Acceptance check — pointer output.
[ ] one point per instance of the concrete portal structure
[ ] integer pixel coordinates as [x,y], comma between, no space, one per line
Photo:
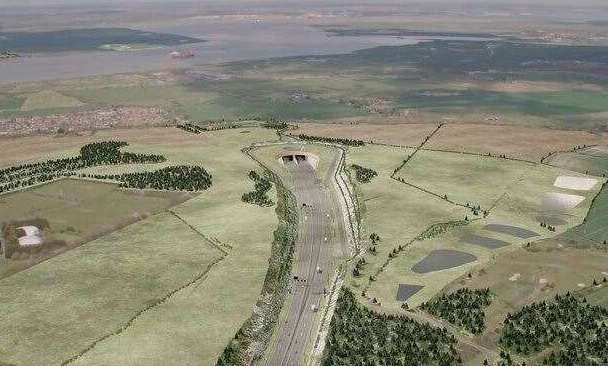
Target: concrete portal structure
[298,157]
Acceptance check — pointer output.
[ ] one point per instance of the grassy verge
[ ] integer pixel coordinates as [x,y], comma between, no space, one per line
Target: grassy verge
[251,340]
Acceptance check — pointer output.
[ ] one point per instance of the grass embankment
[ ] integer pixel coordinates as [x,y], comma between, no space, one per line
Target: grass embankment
[253,337]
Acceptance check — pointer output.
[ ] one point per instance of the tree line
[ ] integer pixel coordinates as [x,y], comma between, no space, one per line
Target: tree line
[464,308]
[97,153]
[575,330]
[360,336]
[332,140]
[259,195]
[173,178]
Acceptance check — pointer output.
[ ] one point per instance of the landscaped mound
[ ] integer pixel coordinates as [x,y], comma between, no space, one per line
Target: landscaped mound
[464,308]
[577,330]
[97,153]
[259,196]
[364,175]
[359,336]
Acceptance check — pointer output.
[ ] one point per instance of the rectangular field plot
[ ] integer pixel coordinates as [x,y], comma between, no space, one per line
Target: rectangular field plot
[60,307]
[477,180]
[78,211]
[591,161]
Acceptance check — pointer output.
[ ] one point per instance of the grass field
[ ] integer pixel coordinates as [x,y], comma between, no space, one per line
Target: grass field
[396,212]
[512,191]
[464,178]
[61,306]
[79,211]
[593,232]
[197,322]
[49,99]
[592,160]
[524,276]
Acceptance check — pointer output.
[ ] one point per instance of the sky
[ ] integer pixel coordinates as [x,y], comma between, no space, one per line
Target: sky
[300,2]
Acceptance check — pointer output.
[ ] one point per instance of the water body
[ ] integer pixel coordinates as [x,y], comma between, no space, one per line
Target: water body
[227,41]
[516,231]
[405,291]
[484,241]
[439,260]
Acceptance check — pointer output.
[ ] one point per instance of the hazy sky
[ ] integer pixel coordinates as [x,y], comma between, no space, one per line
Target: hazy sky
[232,3]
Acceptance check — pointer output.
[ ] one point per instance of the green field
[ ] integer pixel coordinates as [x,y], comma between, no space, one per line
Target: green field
[593,231]
[396,212]
[58,308]
[592,161]
[207,313]
[78,211]
[10,103]
[511,191]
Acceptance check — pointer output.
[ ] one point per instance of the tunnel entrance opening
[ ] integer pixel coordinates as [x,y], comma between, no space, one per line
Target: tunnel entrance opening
[295,158]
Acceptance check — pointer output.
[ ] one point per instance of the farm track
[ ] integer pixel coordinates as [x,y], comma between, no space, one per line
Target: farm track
[320,232]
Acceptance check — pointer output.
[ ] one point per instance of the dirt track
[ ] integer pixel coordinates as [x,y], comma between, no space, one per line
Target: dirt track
[319,245]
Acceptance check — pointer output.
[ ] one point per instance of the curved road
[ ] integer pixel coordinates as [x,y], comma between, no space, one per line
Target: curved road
[319,246]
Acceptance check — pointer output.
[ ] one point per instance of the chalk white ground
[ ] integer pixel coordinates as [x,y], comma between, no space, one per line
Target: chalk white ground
[31,238]
[575,183]
[561,201]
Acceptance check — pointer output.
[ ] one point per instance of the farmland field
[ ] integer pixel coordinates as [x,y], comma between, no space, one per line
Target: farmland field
[78,211]
[53,318]
[593,160]
[511,191]
[244,231]
[472,143]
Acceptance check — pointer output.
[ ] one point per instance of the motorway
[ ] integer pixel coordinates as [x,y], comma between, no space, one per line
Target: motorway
[320,244]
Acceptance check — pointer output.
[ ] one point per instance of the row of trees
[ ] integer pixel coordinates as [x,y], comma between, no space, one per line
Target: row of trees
[548,227]
[332,140]
[98,153]
[173,178]
[275,124]
[259,195]
[576,329]
[192,128]
[363,175]
[464,308]
[359,336]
